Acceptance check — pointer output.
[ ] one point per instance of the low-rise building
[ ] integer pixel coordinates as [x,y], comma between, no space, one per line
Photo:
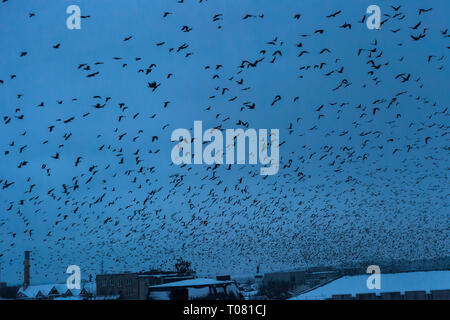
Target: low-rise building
[306,278]
[55,291]
[134,286]
[7,292]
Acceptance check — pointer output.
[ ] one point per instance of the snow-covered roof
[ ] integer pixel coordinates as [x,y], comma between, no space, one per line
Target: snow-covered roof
[197,282]
[390,282]
[42,289]
[61,288]
[90,287]
[86,287]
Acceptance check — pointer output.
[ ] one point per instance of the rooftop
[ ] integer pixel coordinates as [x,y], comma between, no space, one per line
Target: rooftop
[59,288]
[390,282]
[197,282]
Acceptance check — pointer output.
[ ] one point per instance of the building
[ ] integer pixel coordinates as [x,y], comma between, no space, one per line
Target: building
[88,291]
[7,292]
[305,279]
[134,286]
[423,285]
[44,291]
[198,288]
[55,292]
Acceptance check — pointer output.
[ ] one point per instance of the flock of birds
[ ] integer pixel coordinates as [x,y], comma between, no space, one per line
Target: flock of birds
[360,178]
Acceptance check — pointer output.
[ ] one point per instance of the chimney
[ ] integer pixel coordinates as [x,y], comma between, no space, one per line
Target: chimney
[26,270]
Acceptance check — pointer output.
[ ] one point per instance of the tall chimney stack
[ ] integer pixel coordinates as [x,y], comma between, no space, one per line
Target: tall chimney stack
[26,270]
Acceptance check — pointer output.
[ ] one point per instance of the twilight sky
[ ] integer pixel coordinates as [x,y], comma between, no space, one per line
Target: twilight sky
[364,146]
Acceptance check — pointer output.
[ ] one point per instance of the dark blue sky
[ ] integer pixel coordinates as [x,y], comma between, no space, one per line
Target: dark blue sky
[353,184]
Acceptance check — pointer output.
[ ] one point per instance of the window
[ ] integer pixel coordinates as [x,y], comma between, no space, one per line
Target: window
[129,291]
[104,283]
[111,283]
[129,282]
[119,283]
